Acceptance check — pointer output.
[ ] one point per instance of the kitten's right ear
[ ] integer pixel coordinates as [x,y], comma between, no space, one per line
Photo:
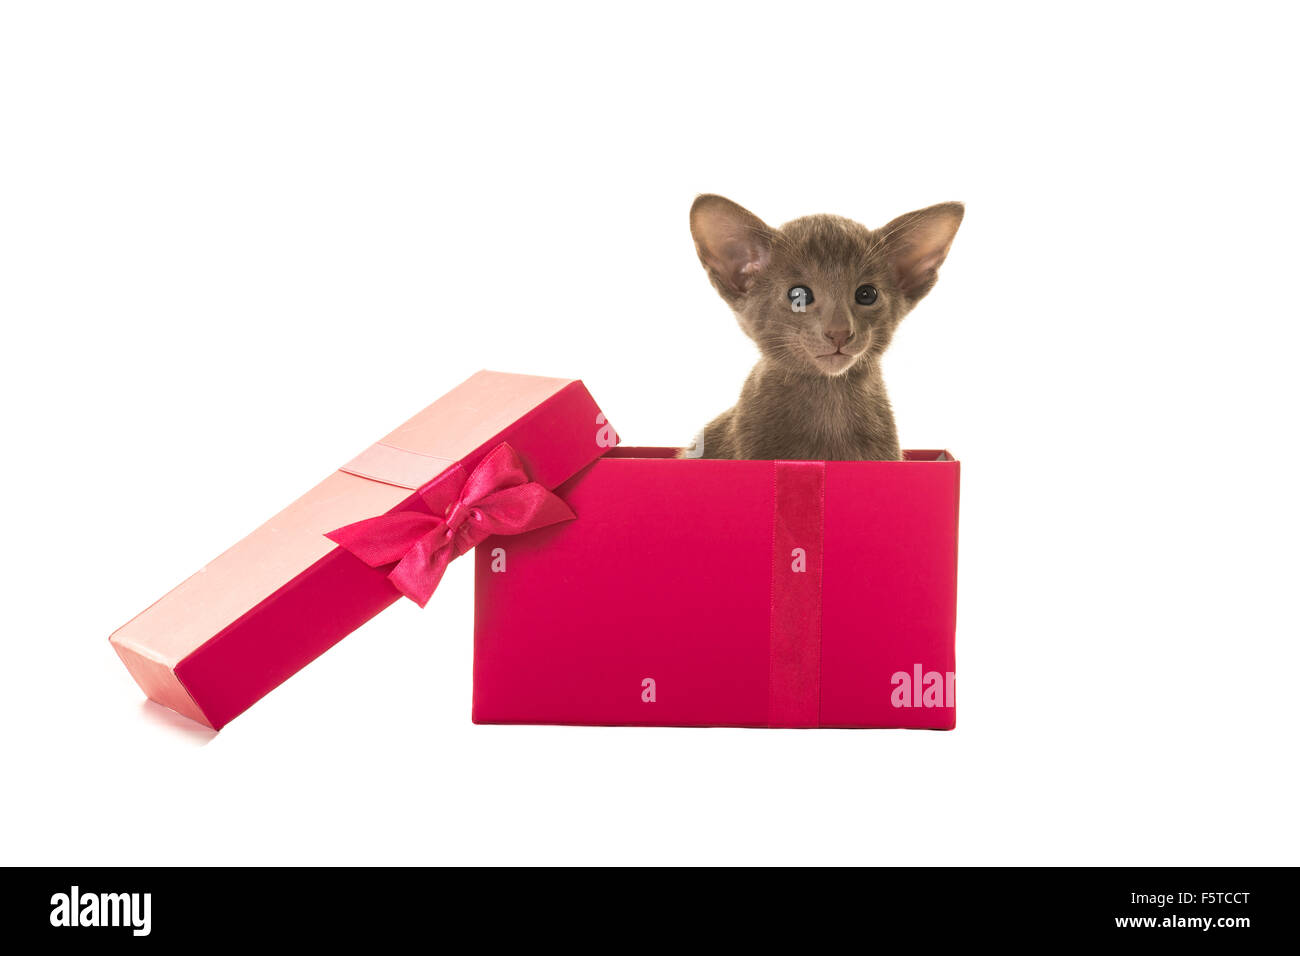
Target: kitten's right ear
[733,244]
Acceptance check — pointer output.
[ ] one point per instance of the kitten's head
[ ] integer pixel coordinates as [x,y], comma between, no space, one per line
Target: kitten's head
[821,294]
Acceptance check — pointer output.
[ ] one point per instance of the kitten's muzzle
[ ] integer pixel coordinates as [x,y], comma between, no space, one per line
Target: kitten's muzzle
[839,337]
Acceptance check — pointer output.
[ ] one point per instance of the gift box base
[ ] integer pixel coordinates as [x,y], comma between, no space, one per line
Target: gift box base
[700,593]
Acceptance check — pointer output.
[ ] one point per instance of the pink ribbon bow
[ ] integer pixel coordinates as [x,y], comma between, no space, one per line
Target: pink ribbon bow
[497,498]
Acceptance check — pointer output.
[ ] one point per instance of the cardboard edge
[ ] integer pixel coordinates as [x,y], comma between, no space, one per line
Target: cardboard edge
[159,681]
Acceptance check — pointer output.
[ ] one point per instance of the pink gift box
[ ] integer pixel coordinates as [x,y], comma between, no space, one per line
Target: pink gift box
[287,593]
[727,593]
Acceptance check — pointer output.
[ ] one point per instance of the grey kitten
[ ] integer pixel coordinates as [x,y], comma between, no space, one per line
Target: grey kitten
[821,296]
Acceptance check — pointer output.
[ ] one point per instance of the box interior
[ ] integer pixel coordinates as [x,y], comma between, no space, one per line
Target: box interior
[631,451]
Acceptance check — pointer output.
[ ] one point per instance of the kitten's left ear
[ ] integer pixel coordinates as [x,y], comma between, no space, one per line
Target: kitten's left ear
[917,243]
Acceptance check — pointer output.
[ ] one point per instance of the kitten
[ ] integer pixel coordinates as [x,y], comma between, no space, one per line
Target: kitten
[821,296]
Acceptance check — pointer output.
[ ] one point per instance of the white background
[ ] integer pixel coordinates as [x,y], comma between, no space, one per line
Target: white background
[240,241]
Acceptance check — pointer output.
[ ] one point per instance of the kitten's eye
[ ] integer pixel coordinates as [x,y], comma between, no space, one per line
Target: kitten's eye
[800,296]
[866,295]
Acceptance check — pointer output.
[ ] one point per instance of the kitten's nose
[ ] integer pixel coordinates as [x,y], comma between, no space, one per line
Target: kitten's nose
[839,336]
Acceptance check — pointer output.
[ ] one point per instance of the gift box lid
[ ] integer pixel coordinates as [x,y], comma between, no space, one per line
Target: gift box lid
[285,593]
